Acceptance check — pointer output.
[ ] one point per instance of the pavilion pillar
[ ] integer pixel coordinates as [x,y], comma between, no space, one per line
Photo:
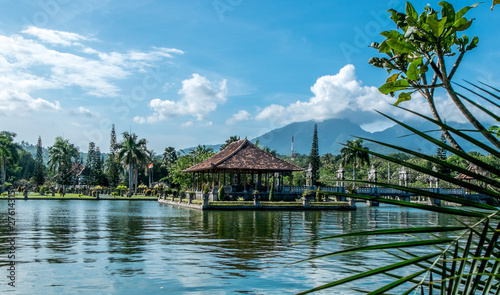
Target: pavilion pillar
[281,182]
[259,178]
[267,181]
[202,177]
[213,181]
[291,181]
[219,179]
[244,182]
[194,180]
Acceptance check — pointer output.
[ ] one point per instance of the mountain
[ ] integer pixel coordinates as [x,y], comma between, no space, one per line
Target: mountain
[333,133]
[330,133]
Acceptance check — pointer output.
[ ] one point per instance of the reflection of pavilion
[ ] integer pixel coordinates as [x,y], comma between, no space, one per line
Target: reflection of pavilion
[241,168]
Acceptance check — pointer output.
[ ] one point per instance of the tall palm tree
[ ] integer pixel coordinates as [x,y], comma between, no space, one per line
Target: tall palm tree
[201,153]
[354,153]
[62,156]
[229,141]
[169,156]
[132,152]
[8,153]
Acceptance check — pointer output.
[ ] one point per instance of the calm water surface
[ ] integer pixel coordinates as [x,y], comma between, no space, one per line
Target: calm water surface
[124,247]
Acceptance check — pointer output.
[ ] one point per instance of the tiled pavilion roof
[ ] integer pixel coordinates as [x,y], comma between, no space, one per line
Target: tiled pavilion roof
[471,168]
[243,155]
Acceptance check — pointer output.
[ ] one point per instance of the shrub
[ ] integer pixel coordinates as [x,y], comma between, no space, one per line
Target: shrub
[115,194]
[318,195]
[220,195]
[271,193]
[307,193]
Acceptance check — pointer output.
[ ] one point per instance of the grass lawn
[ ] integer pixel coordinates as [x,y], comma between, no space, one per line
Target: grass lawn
[77,196]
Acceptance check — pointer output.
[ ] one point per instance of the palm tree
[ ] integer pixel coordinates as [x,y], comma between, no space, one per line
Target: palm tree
[354,153]
[169,156]
[229,141]
[132,152]
[8,153]
[201,153]
[62,156]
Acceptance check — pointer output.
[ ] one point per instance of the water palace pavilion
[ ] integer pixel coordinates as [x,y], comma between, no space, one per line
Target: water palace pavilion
[242,168]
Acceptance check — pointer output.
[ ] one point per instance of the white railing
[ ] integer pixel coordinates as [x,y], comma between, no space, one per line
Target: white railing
[384,191]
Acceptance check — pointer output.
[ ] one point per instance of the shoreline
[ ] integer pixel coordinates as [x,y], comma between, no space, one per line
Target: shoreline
[85,198]
[261,207]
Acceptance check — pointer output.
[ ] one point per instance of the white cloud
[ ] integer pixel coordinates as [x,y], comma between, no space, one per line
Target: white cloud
[55,37]
[30,64]
[198,98]
[242,115]
[343,96]
[83,112]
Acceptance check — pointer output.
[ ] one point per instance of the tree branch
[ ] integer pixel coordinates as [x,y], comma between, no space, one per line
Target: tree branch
[456,64]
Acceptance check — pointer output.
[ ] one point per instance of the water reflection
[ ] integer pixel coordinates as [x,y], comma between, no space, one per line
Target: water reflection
[122,247]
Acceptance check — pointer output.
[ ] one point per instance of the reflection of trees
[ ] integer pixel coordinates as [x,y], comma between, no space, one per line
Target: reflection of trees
[126,240]
[62,229]
[126,228]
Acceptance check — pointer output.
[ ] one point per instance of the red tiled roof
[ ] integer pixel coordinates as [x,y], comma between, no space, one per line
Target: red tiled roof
[243,155]
[471,168]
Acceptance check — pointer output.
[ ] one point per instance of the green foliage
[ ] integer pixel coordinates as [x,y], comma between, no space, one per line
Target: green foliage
[459,259]
[205,188]
[182,179]
[39,173]
[62,157]
[354,153]
[318,195]
[43,189]
[314,157]
[220,195]
[417,53]
[307,194]
[114,194]
[271,192]
[132,153]
[229,141]
[112,163]
[8,154]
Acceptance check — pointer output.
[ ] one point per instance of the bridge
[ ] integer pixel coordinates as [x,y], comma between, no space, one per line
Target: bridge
[384,192]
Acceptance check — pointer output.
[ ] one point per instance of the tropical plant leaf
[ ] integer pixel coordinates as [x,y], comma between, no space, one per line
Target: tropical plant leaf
[379,247]
[397,283]
[392,231]
[373,272]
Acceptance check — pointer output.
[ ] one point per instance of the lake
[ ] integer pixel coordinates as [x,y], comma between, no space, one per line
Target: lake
[131,247]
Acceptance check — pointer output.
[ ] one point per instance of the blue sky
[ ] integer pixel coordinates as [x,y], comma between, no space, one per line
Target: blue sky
[183,73]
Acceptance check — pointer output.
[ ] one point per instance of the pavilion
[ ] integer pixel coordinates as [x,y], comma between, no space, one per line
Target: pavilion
[241,168]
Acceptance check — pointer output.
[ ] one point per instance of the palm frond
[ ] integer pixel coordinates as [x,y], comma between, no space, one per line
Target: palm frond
[458,259]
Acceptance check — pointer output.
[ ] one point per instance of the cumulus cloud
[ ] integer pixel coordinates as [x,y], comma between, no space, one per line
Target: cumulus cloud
[242,115]
[198,97]
[29,63]
[343,96]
